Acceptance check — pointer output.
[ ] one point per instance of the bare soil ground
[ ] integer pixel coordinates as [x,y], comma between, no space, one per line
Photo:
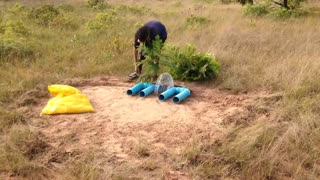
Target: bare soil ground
[142,137]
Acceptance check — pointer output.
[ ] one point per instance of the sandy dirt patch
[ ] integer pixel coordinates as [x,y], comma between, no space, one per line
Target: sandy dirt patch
[126,127]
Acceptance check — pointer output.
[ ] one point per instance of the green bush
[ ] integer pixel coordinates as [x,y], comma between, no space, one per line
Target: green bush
[16,27]
[184,63]
[285,13]
[98,4]
[205,1]
[66,7]
[227,1]
[197,21]
[64,22]
[44,14]
[18,9]
[101,6]
[92,3]
[12,45]
[14,41]
[257,9]
[294,4]
[267,7]
[102,21]
[137,10]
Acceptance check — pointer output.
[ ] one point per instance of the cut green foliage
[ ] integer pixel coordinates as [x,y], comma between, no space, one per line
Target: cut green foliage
[152,62]
[185,63]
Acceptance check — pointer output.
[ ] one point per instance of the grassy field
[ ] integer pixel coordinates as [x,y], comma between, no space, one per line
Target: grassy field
[257,54]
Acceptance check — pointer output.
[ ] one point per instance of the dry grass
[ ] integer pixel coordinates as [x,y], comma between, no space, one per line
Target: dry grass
[83,168]
[262,53]
[18,149]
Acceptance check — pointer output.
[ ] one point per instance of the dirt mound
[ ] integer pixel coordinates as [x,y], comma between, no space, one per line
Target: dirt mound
[124,127]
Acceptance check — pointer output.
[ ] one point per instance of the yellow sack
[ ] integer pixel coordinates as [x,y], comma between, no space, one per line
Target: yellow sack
[67,100]
[64,90]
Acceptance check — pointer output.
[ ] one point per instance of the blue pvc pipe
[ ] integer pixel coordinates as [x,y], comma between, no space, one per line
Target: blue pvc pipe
[183,94]
[168,93]
[180,92]
[145,92]
[136,88]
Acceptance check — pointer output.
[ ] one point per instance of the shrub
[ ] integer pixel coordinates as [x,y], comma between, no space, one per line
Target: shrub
[196,21]
[66,7]
[138,10]
[227,1]
[44,14]
[285,13]
[294,4]
[93,3]
[18,9]
[184,63]
[13,40]
[12,45]
[1,16]
[257,9]
[15,27]
[267,7]
[64,22]
[98,4]
[101,21]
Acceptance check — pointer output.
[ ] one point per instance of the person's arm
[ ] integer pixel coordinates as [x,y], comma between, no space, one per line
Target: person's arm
[135,58]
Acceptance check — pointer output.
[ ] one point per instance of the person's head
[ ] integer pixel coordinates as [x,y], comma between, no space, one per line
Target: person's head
[143,34]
